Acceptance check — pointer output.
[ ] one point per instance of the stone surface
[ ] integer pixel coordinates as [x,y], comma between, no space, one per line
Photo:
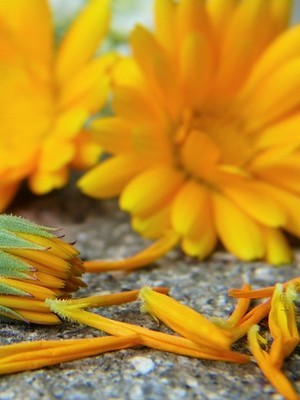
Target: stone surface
[102,230]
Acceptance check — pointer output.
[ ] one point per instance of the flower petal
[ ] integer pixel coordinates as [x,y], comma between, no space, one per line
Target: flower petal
[281,51]
[98,182]
[277,96]
[138,196]
[253,198]
[240,234]
[248,33]
[30,22]
[164,12]
[82,39]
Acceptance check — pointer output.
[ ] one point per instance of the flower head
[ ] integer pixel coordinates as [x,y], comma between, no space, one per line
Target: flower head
[34,265]
[47,94]
[205,140]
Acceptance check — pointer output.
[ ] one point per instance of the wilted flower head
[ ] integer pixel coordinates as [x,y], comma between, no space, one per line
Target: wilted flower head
[48,93]
[205,141]
[35,265]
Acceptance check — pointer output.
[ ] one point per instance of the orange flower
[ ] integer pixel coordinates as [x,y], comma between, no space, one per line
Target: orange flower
[204,140]
[47,94]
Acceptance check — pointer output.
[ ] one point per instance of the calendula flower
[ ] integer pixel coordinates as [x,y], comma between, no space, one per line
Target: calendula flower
[35,265]
[205,137]
[48,93]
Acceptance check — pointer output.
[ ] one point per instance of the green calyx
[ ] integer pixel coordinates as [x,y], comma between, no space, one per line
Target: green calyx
[14,267]
[16,224]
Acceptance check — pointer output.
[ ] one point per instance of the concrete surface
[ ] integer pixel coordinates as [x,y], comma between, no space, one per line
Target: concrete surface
[101,230]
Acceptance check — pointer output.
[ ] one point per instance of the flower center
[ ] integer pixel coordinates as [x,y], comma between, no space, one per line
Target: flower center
[210,137]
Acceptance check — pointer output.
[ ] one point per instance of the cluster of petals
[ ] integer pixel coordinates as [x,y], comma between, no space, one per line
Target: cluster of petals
[195,335]
[204,140]
[47,93]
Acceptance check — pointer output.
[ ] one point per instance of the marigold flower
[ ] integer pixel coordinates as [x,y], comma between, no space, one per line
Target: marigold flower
[205,140]
[34,265]
[47,94]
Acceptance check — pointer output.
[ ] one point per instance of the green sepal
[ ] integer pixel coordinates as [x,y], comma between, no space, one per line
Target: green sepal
[11,290]
[19,224]
[8,240]
[9,312]
[14,267]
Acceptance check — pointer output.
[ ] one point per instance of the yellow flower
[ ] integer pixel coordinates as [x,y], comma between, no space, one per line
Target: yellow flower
[47,94]
[34,265]
[205,138]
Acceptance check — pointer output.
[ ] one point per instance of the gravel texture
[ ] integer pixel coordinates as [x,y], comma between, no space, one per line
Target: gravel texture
[102,230]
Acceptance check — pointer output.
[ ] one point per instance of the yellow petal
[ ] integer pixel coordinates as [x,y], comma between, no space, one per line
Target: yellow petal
[277,95]
[113,134]
[196,69]
[248,33]
[38,292]
[240,309]
[144,257]
[98,182]
[278,250]
[154,226]
[164,12]
[183,320]
[151,190]
[282,324]
[82,39]
[104,300]
[273,374]
[280,133]
[30,21]
[51,353]
[281,12]
[285,174]
[42,182]
[281,51]
[253,198]
[220,13]
[191,16]
[189,206]
[290,203]
[126,72]
[137,106]
[89,86]
[252,317]
[157,67]
[87,151]
[239,233]
[210,154]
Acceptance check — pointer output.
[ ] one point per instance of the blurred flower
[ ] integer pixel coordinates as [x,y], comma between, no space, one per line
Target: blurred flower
[205,141]
[34,265]
[47,94]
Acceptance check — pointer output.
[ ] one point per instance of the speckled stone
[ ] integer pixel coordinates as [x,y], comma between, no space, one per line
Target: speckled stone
[102,230]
